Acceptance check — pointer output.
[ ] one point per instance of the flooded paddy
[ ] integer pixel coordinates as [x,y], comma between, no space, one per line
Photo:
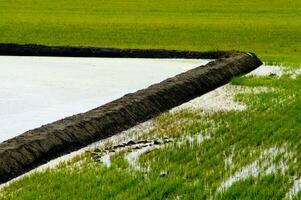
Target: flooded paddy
[39,90]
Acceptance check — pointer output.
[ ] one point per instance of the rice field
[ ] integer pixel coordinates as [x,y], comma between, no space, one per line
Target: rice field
[241,141]
[226,153]
[271,29]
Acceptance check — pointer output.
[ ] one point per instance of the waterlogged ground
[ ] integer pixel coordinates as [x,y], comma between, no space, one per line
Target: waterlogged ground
[246,146]
[39,90]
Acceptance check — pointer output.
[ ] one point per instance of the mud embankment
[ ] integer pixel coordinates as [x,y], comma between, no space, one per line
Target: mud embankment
[35,147]
[40,50]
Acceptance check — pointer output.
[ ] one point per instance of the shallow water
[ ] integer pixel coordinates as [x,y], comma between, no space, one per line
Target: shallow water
[39,90]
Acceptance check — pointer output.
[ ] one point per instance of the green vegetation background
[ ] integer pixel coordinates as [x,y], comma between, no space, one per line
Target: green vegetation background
[270,28]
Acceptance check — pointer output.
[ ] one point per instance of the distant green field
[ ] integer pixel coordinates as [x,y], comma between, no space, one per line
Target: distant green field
[272,29]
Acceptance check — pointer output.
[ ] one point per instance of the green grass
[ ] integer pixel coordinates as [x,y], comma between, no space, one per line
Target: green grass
[272,29]
[194,171]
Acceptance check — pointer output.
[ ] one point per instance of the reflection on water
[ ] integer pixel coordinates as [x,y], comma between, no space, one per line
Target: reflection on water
[36,91]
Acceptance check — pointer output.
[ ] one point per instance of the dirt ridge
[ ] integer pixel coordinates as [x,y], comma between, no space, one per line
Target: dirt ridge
[35,147]
[67,51]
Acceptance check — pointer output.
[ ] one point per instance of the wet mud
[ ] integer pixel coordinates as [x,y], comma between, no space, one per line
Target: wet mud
[35,147]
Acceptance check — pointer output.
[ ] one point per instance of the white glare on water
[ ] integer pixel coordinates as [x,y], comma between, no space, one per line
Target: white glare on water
[39,90]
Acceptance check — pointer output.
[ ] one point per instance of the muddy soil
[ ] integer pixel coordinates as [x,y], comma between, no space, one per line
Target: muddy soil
[35,147]
[41,50]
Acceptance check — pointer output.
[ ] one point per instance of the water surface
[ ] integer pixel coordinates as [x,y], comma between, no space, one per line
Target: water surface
[39,90]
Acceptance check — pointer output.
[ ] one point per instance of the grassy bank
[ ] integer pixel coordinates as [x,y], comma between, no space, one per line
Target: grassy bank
[270,28]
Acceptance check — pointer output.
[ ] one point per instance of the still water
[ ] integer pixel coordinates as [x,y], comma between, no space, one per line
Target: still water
[39,90]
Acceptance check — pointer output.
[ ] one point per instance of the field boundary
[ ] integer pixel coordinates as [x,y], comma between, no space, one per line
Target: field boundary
[67,51]
[35,147]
